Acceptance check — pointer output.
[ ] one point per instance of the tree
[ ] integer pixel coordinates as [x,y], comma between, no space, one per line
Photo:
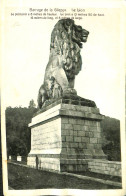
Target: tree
[17,130]
[16,146]
[32,104]
[111,138]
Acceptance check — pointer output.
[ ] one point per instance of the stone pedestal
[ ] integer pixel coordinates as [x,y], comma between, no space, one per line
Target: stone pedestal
[64,137]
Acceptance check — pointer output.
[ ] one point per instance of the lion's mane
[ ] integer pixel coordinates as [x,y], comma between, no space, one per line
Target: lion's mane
[62,44]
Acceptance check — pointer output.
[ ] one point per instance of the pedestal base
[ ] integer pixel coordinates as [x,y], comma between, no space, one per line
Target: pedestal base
[64,137]
[58,164]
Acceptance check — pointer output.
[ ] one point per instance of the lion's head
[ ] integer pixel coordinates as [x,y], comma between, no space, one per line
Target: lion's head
[66,28]
[66,41]
[79,35]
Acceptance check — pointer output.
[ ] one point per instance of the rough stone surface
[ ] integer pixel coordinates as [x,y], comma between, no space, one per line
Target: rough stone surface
[72,135]
[46,137]
[105,167]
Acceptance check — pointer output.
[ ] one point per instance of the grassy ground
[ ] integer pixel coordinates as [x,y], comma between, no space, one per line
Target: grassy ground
[20,177]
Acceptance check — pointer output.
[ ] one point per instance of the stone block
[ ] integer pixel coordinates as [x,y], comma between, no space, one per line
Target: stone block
[80,122]
[86,122]
[71,151]
[69,138]
[63,126]
[93,129]
[80,133]
[71,113]
[85,139]
[94,110]
[77,139]
[63,138]
[70,132]
[87,134]
[93,123]
[99,129]
[98,124]
[82,145]
[90,146]
[111,165]
[112,169]
[86,128]
[64,150]
[75,133]
[106,172]
[96,166]
[65,120]
[68,126]
[97,134]
[71,156]
[77,127]
[64,132]
[90,164]
[91,134]
[117,165]
[72,121]
[73,145]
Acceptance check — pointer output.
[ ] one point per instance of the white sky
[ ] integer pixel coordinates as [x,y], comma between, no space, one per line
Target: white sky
[26,55]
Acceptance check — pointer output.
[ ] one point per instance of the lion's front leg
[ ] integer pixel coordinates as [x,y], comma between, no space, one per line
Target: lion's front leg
[71,83]
[61,78]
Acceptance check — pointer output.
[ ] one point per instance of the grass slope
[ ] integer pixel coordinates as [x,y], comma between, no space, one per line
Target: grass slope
[20,177]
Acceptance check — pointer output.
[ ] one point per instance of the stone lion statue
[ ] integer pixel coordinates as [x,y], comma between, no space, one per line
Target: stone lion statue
[64,61]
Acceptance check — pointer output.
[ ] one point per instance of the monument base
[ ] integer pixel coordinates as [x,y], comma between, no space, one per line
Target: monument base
[64,137]
[58,164]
